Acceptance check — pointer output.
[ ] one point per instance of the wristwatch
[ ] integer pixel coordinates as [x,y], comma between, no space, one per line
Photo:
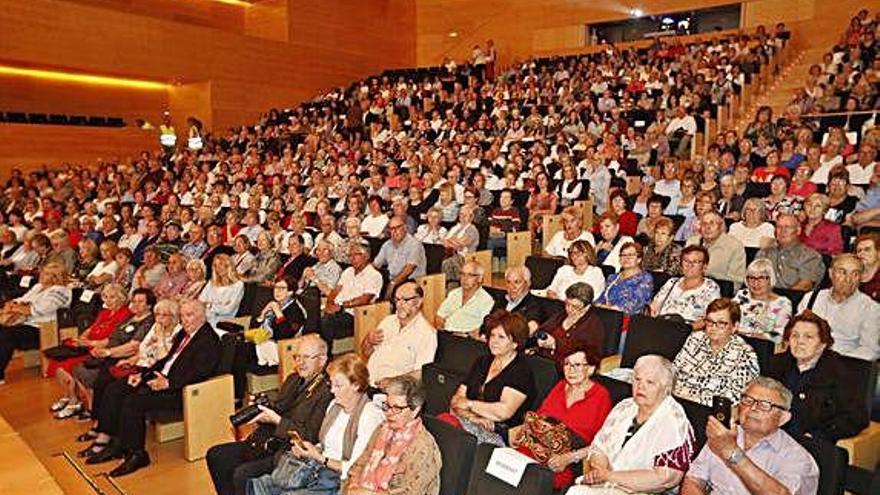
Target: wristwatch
[736,456]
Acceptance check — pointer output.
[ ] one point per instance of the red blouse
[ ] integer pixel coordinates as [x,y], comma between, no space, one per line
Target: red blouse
[104,325]
[825,238]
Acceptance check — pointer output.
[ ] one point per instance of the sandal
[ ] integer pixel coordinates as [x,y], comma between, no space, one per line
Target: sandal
[59,404]
[84,415]
[69,411]
[87,436]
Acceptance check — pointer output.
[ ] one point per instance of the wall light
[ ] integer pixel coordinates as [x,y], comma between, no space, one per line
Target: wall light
[453,34]
[75,77]
[240,3]
[636,13]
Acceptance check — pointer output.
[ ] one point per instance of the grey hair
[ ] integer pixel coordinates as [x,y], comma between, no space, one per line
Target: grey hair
[774,385]
[843,258]
[664,366]
[477,267]
[521,270]
[315,340]
[193,303]
[198,264]
[361,246]
[581,291]
[408,387]
[763,266]
[759,204]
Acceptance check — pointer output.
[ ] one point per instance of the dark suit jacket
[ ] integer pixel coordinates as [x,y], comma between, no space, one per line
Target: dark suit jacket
[303,410]
[531,308]
[287,327]
[197,361]
[830,399]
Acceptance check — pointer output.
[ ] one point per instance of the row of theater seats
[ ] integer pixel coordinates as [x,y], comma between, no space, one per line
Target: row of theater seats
[61,119]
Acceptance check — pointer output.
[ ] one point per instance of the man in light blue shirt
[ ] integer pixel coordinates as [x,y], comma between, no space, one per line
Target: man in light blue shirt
[756,456]
[403,253]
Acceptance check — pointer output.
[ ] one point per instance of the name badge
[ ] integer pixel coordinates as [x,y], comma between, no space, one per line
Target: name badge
[508,465]
[87,296]
[129,329]
[25,281]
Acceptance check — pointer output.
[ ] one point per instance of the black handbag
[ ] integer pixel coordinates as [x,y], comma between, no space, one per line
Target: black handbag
[62,352]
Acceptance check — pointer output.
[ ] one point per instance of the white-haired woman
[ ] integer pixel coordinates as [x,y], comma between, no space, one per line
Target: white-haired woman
[646,443]
[764,313]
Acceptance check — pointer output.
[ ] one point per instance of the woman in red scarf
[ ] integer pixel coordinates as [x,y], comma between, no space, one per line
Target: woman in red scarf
[115,312]
[402,456]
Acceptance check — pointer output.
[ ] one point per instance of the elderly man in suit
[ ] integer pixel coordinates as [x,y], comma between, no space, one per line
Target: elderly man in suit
[301,405]
[193,358]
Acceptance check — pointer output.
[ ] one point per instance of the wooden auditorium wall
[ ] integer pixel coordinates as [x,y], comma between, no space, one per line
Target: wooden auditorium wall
[257,61]
[524,28]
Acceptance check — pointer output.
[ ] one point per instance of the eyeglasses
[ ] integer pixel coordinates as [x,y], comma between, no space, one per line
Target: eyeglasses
[715,323]
[757,278]
[303,357]
[758,404]
[470,274]
[400,300]
[393,409]
[691,262]
[576,366]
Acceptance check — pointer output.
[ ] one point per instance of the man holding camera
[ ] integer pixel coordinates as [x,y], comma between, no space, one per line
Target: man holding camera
[302,402]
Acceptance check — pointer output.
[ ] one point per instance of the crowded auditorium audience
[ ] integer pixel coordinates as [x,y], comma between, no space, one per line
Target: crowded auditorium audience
[353,198]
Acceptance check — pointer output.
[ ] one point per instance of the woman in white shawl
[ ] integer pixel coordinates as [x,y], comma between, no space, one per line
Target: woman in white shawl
[646,443]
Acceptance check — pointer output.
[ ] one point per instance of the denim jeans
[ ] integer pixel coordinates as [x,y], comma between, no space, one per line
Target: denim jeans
[294,476]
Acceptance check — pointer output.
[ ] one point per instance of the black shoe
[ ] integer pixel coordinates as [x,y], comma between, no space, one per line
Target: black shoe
[111,451]
[133,462]
[92,450]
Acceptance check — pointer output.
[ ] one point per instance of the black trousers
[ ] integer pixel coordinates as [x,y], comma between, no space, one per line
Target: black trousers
[230,470]
[124,411]
[101,382]
[24,337]
[243,361]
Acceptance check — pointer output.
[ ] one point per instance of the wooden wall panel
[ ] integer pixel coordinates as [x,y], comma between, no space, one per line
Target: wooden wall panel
[33,95]
[207,13]
[331,44]
[268,20]
[28,146]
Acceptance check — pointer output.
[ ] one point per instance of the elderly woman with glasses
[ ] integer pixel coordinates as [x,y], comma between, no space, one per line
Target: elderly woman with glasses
[715,361]
[764,313]
[646,443]
[753,231]
[576,327]
[581,267]
[687,296]
[348,426]
[576,403]
[402,456]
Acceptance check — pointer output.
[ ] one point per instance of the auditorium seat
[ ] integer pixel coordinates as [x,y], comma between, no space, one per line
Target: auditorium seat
[457,448]
[832,462]
[543,268]
[546,377]
[612,321]
[764,349]
[434,256]
[537,479]
[647,335]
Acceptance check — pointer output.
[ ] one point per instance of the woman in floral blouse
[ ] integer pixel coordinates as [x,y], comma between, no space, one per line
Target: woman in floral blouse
[764,313]
[689,295]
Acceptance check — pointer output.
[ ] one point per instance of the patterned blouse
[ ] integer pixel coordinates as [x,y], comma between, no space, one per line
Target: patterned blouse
[704,373]
[690,304]
[631,294]
[789,204]
[765,318]
[668,260]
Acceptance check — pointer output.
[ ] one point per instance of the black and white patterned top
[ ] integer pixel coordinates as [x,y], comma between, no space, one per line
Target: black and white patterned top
[704,373]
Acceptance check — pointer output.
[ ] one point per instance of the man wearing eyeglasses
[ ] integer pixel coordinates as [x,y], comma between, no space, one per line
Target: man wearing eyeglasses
[465,307]
[403,253]
[756,456]
[402,342]
[302,401]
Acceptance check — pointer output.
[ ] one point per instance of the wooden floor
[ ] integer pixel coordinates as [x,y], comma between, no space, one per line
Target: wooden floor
[24,403]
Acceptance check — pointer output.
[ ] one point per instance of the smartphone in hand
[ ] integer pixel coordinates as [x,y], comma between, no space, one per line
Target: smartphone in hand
[721,407]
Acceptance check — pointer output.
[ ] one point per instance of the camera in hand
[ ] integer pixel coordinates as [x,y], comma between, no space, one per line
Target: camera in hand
[249,412]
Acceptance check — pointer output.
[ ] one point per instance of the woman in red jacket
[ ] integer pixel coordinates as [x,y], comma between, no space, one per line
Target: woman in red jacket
[115,312]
